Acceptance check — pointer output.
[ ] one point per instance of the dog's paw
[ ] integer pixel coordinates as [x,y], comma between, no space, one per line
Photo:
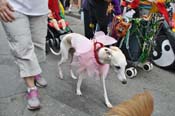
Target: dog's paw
[109,105]
[59,77]
[73,77]
[79,92]
[60,74]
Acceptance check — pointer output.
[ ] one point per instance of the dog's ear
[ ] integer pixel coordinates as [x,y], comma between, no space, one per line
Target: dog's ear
[109,55]
[114,48]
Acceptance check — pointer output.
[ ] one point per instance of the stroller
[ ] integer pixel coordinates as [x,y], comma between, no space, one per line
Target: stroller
[138,41]
[56,28]
[53,37]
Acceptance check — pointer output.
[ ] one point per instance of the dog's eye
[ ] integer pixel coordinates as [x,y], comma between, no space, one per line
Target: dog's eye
[117,67]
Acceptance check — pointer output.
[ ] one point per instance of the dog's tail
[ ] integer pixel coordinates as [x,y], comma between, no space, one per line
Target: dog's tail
[55,53]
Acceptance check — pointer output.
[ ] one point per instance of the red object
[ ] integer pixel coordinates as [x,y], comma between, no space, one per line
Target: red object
[132,5]
[162,9]
[54,7]
[96,49]
[60,25]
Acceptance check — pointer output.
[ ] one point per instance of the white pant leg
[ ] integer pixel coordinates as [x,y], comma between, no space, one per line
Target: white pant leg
[21,45]
[39,30]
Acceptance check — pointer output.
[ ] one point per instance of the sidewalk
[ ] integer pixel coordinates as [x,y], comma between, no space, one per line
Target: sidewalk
[59,98]
[12,88]
[74,13]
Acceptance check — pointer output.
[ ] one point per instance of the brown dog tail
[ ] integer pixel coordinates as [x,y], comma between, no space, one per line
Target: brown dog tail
[140,105]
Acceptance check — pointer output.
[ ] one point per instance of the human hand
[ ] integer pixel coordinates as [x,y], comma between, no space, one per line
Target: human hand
[110,8]
[6,11]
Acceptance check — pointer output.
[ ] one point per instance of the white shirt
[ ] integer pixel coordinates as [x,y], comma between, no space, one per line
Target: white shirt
[30,7]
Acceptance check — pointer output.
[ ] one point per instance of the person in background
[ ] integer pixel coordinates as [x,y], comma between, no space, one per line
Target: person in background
[95,12]
[62,2]
[114,7]
[70,6]
[71,3]
[80,6]
[27,43]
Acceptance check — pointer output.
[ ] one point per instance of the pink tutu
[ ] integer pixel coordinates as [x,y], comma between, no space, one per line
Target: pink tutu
[84,58]
[86,63]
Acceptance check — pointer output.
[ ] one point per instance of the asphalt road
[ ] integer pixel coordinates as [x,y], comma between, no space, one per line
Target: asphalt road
[59,98]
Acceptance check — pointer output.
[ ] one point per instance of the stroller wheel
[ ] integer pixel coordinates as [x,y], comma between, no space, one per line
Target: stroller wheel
[57,43]
[47,47]
[148,66]
[53,46]
[131,72]
[51,43]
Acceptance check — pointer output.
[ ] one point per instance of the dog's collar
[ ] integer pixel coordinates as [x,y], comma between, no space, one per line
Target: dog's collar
[97,47]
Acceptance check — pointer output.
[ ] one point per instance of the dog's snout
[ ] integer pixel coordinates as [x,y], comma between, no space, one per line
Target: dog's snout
[124,82]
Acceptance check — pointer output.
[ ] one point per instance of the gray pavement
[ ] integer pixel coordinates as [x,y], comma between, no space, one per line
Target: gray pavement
[59,98]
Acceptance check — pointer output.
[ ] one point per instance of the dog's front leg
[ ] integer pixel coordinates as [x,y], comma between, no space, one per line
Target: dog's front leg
[60,72]
[80,78]
[109,105]
[72,74]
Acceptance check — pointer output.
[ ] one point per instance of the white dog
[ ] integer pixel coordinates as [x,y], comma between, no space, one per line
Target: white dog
[92,58]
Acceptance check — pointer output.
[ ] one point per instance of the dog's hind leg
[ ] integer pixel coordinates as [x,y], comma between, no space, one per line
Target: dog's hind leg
[64,58]
[109,105]
[80,79]
[72,51]
[64,55]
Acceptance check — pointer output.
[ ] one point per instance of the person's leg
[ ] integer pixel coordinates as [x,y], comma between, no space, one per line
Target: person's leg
[29,81]
[62,2]
[22,49]
[70,6]
[67,3]
[103,24]
[87,30]
[38,27]
[102,18]
[79,4]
